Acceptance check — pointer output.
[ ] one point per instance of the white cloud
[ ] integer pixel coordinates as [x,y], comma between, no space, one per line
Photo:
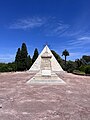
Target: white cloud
[56,28]
[28,23]
[84,38]
[73,33]
[81,41]
[50,26]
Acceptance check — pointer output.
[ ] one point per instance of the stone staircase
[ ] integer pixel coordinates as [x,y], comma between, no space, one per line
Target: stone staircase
[39,79]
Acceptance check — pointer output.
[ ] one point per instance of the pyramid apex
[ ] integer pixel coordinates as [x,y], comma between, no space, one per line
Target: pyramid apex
[46,48]
[46,45]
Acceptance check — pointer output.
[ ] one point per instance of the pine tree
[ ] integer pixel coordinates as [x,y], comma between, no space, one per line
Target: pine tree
[35,55]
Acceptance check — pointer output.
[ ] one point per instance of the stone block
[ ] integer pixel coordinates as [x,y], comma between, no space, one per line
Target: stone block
[46,72]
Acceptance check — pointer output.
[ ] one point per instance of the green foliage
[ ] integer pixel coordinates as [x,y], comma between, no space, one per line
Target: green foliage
[65,53]
[7,67]
[58,58]
[83,62]
[35,55]
[11,66]
[24,52]
[24,56]
[18,59]
[18,55]
[87,69]
[29,62]
[86,58]
[77,72]
[22,60]
[70,66]
[82,68]
[78,63]
[3,67]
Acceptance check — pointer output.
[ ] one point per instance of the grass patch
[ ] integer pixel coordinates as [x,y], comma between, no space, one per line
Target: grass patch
[77,72]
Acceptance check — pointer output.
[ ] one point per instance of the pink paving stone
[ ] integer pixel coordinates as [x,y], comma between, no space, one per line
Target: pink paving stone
[20,101]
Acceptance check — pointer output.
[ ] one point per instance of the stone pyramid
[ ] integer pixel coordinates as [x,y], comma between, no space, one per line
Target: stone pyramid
[54,64]
[46,65]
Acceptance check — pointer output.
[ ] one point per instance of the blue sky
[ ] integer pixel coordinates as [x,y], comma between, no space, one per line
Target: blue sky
[63,24]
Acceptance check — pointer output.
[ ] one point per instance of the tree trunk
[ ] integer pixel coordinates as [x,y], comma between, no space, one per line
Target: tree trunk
[65,62]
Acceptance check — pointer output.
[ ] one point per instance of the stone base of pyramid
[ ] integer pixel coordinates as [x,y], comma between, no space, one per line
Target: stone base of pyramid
[47,79]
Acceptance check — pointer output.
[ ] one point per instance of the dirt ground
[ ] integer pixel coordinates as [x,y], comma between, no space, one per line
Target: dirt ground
[20,101]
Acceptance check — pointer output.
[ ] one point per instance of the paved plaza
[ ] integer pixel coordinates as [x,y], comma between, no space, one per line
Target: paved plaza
[22,101]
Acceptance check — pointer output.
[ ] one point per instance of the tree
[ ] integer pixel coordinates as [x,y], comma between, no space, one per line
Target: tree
[24,54]
[18,60]
[29,62]
[18,55]
[78,62]
[21,58]
[71,66]
[86,58]
[35,55]
[7,67]
[65,53]
[58,58]
[87,69]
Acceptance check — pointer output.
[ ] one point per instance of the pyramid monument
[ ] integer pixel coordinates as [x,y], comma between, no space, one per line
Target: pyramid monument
[46,67]
[37,64]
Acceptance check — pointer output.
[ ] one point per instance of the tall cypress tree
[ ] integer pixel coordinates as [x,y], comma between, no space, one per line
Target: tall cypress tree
[18,60]
[22,60]
[35,55]
[18,55]
[24,54]
[29,62]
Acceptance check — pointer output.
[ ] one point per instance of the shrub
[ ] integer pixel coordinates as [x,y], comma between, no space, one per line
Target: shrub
[4,67]
[82,68]
[70,66]
[87,70]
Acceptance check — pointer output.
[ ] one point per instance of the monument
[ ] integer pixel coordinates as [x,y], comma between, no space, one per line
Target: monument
[46,67]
